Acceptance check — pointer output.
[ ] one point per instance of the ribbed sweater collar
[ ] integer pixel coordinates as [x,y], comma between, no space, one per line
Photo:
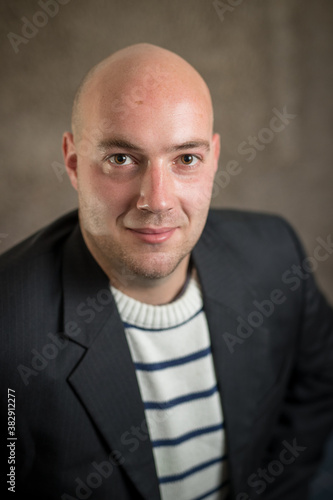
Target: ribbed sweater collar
[160,316]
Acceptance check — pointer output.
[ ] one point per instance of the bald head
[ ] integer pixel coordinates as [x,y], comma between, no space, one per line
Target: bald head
[143,156]
[138,75]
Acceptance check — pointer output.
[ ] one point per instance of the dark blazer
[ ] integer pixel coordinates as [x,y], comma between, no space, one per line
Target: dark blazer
[80,423]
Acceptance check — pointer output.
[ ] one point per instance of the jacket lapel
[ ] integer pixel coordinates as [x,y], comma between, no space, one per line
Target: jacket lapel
[242,369]
[105,379]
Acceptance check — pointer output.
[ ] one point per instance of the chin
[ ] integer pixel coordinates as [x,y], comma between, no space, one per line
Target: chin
[153,267]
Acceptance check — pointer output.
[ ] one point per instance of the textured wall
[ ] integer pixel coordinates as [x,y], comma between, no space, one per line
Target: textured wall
[257,57]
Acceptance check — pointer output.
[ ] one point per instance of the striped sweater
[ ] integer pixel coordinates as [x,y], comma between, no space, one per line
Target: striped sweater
[170,348]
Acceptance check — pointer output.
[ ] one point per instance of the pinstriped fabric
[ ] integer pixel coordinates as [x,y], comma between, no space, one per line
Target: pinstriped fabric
[170,348]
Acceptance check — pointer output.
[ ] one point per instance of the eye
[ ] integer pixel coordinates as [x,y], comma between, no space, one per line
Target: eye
[120,159]
[189,159]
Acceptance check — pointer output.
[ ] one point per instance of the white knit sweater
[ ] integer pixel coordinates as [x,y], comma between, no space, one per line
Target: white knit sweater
[170,348]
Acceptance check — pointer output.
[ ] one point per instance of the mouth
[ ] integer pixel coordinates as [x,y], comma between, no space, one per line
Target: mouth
[153,235]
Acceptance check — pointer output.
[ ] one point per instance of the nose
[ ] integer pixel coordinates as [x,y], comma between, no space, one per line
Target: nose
[156,188]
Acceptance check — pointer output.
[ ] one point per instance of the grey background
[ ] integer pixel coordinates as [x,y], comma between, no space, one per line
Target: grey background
[256,56]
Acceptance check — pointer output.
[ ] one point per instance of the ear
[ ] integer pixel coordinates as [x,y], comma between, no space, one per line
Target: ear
[216,151]
[70,157]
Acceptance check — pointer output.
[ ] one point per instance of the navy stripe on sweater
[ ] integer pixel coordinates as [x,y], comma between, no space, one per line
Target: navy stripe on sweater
[129,325]
[187,436]
[210,492]
[149,367]
[189,472]
[163,405]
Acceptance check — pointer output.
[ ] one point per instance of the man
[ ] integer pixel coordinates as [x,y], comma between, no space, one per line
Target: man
[153,348]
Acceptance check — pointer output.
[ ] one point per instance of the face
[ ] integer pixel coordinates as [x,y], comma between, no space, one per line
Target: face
[144,174]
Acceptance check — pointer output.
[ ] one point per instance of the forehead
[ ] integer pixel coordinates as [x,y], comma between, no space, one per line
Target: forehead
[148,123]
[147,108]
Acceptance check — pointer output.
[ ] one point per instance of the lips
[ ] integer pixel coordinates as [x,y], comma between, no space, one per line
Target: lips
[153,235]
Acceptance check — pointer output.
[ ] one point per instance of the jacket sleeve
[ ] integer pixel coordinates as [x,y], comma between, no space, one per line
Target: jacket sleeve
[306,417]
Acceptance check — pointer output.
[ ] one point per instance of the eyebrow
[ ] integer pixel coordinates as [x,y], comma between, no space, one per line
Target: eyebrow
[129,146]
[117,143]
[189,145]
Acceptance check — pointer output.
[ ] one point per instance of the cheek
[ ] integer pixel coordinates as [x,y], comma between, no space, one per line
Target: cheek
[97,190]
[196,196]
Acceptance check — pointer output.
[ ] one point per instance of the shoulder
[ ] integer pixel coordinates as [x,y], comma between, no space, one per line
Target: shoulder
[41,245]
[262,243]
[30,268]
[245,220]
[31,293]
[238,227]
